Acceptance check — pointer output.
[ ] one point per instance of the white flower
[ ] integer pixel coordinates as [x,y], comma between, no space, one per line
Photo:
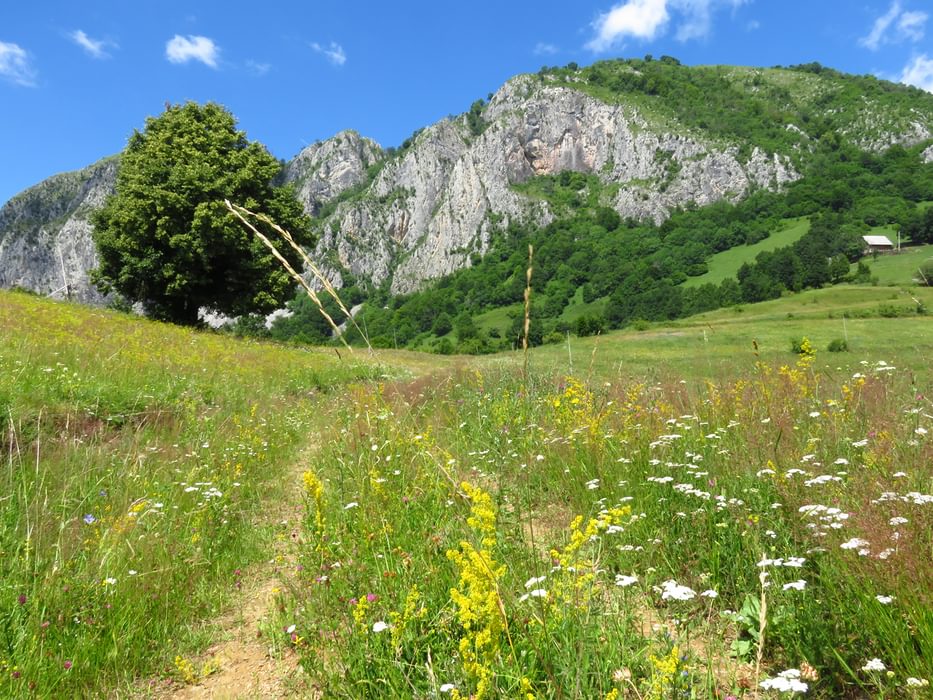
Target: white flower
[874,665]
[290,629]
[814,414]
[624,581]
[897,520]
[884,599]
[917,682]
[673,590]
[786,682]
[797,585]
[352,504]
[854,543]
[380,626]
[447,687]
[534,581]
[709,593]
[132,572]
[921,431]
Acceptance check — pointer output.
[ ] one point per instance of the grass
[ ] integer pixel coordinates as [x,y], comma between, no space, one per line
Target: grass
[491,538]
[727,263]
[900,268]
[136,456]
[469,532]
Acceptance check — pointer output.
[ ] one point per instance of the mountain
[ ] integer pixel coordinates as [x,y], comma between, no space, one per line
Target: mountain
[657,134]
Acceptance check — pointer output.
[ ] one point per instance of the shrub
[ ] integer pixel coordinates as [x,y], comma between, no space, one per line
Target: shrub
[838,345]
[801,346]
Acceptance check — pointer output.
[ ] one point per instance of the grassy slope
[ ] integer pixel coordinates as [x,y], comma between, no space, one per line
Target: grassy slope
[900,268]
[116,432]
[727,263]
[719,343]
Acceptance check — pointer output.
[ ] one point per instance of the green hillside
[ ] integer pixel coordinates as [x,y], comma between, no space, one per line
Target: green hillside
[727,263]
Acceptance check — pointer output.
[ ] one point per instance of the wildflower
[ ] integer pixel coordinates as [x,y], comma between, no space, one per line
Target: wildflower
[447,687]
[854,543]
[289,629]
[917,682]
[895,521]
[874,665]
[21,599]
[534,581]
[884,599]
[352,504]
[380,626]
[797,585]
[67,665]
[536,593]
[671,590]
[710,593]
[89,519]
[785,682]
[625,581]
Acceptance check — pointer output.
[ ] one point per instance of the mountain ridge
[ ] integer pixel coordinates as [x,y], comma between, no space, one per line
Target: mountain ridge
[650,130]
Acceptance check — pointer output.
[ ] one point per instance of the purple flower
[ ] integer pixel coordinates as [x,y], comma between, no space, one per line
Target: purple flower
[67,665]
[22,599]
[371,597]
[89,519]
[16,674]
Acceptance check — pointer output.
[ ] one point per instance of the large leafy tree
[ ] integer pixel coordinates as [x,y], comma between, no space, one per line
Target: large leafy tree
[165,238]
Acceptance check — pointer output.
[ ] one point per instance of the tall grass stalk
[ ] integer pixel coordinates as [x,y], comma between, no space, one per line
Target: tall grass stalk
[318,275]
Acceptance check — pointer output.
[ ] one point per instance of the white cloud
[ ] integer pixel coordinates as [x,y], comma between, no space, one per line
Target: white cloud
[15,65]
[181,49]
[912,25]
[753,25]
[94,47]
[642,19]
[647,19]
[257,68]
[544,49]
[906,25]
[919,72]
[334,53]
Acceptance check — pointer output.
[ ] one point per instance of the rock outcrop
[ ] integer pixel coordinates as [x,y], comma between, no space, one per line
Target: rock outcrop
[45,233]
[433,205]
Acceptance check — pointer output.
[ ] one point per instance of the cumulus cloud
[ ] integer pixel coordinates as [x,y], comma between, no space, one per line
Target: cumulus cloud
[333,53]
[544,49]
[894,26]
[919,72]
[647,19]
[181,49]
[94,47]
[15,65]
[641,19]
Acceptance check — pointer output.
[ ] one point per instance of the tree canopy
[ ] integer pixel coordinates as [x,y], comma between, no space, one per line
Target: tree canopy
[165,238]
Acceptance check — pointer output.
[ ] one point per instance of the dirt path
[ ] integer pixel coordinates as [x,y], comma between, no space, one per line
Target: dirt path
[246,661]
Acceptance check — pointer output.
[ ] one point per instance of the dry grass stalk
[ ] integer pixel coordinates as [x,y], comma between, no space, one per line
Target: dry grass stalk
[291,271]
[527,314]
[318,275]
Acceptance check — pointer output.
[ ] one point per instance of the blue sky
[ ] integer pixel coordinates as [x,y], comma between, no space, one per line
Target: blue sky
[77,77]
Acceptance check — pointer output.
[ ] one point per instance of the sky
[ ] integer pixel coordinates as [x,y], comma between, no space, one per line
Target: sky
[77,78]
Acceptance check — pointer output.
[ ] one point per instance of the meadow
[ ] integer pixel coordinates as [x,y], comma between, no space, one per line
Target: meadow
[689,510]
[136,457]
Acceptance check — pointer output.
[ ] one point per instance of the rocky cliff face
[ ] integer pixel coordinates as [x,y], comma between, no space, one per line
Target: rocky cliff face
[433,205]
[45,233]
[324,170]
